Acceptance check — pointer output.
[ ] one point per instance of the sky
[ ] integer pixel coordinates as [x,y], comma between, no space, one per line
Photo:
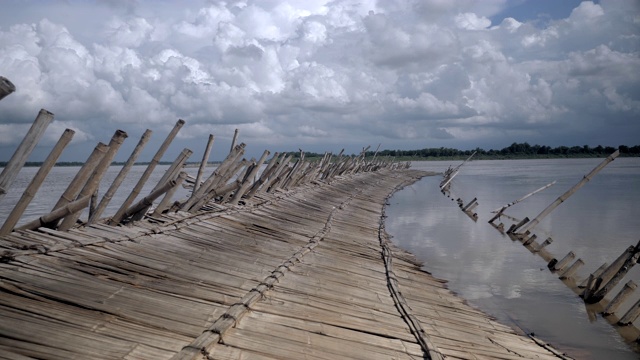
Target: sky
[322,75]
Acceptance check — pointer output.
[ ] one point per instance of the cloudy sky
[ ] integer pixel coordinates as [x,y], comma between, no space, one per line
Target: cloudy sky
[323,75]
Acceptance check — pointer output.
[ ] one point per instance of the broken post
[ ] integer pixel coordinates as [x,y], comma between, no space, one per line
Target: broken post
[571,191]
[555,265]
[145,176]
[106,198]
[20,156]
[203,164]
[464,208]
[6,87]
[544,243]
[595,274]
[514,228]
[35,183]
[572,269]
[233,142]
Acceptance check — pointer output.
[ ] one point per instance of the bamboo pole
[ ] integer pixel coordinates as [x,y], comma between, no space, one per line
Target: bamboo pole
[571,191]
[233,142]
[203,164]
[106,198]
[464,208]
[147,173]
[627,290]
[94,181]
[142,205]
[631,315]
[6,87]
[555,265]
[595,274]
[20,156]
[245,185]
[81,178]
[572,269]
[35,183]
[175,167]
[276,175]
[164,203]
[503,208]
[56,215]
[612,276]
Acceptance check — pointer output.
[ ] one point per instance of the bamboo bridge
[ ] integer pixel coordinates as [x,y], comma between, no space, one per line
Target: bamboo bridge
[283,261]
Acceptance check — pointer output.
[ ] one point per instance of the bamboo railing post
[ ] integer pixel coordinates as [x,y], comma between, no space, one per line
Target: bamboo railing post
[145,176]
[106,198]
[94,181]
[595,274]
[571,191]
[93,203]
[203,164]
[555,265]
[20,156]
[164,203]
[544,243]
[627,290]
[81,178]
[276,175]
[201,196]
[264,176]
[57,214]
[137,211]
[572,269]
[631,315]
[175,168]
[514,228]
[6,87]
[602,288]
[233,142]
[464,208]
[245,185]
[35,183]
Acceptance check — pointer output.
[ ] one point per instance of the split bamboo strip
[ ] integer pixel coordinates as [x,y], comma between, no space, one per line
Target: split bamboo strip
[147,173]
[106,198]
[20,156]
[35,183]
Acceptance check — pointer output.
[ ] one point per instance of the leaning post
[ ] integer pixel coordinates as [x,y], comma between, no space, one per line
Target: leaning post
[571,191]
[203,164]
[35,183]
[6,87]
[20,156]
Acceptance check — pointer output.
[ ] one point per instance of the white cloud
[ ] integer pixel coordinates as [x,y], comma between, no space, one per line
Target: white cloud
[327,71]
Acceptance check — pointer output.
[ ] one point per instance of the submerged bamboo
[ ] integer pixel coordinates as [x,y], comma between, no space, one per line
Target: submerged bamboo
[571,191]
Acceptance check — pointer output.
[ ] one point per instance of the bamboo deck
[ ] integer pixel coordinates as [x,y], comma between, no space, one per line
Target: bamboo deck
[306,273]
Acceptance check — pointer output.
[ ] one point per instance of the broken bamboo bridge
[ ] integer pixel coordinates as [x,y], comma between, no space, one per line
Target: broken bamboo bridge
[284,261]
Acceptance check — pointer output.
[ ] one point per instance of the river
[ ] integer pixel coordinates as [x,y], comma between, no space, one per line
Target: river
[503,278]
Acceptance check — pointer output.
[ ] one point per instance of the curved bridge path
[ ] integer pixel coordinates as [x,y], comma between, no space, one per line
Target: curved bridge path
[301,274]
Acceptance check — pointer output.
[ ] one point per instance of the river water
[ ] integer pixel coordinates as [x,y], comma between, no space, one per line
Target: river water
[502,277]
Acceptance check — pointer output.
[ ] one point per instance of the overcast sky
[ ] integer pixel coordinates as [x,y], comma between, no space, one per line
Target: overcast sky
[323,75]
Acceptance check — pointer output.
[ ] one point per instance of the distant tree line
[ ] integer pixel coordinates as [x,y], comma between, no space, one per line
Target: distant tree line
[516,150]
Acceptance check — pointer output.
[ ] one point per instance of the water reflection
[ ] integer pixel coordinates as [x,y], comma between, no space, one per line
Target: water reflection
[499,275]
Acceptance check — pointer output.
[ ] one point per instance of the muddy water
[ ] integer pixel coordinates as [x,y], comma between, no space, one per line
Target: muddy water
[503,278]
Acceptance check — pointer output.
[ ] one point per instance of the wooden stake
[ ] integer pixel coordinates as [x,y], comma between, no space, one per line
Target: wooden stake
[596,273]
[35,183]
[464,208]
[20,156]
[203,164]
[141,206]
[571,191]
[559,265]
[614,274]
[106,198]
[175,168]
[627,290]
[514,229]
[145,176]
[545,243]
[6,87]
